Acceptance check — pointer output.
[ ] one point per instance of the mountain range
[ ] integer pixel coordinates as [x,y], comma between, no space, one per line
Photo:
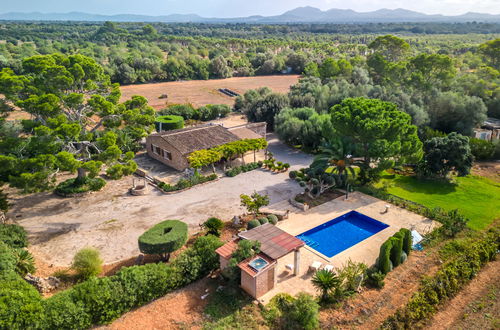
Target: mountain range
[297,15]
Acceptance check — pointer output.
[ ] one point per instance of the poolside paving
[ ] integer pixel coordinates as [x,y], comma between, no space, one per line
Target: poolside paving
[366,251]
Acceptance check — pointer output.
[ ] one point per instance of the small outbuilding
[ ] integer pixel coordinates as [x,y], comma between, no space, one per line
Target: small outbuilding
[258,273]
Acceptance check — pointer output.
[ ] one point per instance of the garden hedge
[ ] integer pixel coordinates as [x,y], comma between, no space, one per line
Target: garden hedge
[397,248]
[384,259]
[168,122]
[447,282]
[101,300]
[407,240]
[163,238]
[13,235]
[392,250]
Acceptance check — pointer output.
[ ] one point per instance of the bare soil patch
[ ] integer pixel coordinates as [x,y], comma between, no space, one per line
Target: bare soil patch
[180,309]
[477,306]
[202,92]
[371,307]
[489,170]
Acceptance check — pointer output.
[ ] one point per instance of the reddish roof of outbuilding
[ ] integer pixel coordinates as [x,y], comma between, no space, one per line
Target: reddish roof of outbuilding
[227,249]
[244,265]
[274,242]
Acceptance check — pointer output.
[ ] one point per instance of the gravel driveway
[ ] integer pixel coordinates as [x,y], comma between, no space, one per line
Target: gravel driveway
[112,220]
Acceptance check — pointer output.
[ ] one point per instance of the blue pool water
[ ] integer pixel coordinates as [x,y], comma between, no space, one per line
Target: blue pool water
[341,233]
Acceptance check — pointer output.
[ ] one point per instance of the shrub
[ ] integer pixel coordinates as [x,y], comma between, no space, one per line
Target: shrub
[213,111]
[20,303]
[301,312]
[407,240]
[252,224]
[451,277]
[351,275]
[263,220]
[164,238]
[397,249]
[272,219]
[74,186]
[213,226]
[25,263]
[384,259]
[481,149]
[13,235]
[375,278]
[87,263]
[254,202]
[326,282]
[168,122]
[187,183]
[8,260]
[241,169]
[61,312]
[101,300]
[186,111]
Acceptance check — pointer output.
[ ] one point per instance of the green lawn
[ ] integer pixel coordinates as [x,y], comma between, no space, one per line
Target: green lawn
[476,197]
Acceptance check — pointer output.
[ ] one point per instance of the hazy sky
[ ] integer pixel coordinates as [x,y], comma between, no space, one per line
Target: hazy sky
[235,8]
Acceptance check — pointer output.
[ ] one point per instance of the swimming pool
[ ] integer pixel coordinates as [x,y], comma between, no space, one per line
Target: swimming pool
[341,233]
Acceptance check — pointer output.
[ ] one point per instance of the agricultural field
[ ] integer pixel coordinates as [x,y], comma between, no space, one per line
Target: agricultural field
[203,92]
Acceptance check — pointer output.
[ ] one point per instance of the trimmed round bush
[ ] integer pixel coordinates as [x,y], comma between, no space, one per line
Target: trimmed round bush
[272,219]
[263,221]
[168,122]
[292,175]
[164,238]
[252,224]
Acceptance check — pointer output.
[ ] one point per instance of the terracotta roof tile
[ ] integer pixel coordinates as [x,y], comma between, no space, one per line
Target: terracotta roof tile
[274,242]
[227,249]
[187,140]
[244,265]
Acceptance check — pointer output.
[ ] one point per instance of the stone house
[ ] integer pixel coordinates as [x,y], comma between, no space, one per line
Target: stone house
[489,130]
[259,273]
[172,148]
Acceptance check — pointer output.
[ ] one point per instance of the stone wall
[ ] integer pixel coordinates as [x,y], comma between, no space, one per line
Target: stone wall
[178,161]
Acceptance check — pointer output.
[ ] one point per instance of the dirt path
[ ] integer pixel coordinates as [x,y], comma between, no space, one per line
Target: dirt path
[112,220]
[455,312]
[371,307]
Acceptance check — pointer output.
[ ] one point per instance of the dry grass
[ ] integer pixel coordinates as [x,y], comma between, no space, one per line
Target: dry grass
[202,92]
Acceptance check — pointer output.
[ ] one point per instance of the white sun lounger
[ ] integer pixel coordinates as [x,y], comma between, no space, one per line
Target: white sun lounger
[315,266]
[329,268]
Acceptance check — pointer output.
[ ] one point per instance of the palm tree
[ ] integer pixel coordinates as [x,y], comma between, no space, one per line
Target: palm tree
[325,281]
[336,158]
[25,263]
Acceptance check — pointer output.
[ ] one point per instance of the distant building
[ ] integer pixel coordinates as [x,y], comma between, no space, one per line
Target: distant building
[172,148]
[489,131]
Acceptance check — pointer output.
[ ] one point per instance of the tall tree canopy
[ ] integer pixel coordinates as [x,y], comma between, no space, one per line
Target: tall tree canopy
[381,132]
[445,154]
[76,119]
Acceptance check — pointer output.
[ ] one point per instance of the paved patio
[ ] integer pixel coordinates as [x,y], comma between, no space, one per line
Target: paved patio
[366,251]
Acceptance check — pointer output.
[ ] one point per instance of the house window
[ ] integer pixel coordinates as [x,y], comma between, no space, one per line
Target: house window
[156,150]
[167,155]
